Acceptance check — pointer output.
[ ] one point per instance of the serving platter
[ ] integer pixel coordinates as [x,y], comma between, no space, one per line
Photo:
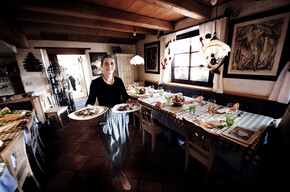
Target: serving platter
[136,107]
[102,110]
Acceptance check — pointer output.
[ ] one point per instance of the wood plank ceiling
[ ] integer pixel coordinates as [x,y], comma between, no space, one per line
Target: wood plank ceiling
[103,21]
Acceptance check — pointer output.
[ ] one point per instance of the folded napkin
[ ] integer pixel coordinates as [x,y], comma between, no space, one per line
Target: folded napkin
[198,99]
[160,104]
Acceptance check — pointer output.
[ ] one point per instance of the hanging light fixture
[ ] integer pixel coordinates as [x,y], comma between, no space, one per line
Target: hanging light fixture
[215,49]
[136,60]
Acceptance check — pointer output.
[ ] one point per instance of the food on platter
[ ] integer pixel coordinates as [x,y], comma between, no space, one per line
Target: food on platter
[127,107]
[10,117]
[4,111]
[89,111]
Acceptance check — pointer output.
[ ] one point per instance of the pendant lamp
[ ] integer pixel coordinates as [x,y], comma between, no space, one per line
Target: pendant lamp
[136,60]
[215,49]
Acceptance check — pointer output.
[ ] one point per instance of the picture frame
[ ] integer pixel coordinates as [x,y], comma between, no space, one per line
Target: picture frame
[152,57]
[95,61]
[255,52]
[241,135]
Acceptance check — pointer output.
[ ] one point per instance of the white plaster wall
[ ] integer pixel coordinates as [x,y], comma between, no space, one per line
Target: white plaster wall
[246,7]
[32,81]
[38,82]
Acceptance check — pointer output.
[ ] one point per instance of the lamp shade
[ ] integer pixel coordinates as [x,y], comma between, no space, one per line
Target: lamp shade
[216,47]
[137,60]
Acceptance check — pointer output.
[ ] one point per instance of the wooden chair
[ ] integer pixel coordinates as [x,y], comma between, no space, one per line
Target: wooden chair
[20,167]
[34,140]
[50,109]
[195,139]
[137,114]
[149,125]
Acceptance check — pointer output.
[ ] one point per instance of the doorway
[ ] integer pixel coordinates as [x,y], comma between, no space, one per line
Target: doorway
[75,74]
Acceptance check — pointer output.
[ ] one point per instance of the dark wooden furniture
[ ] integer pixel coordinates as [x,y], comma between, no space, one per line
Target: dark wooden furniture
[200,144]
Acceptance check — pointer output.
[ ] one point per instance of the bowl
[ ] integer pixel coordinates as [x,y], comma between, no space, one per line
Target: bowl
[178,104]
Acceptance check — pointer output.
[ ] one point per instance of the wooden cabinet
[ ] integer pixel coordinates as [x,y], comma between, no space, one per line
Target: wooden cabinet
[125,70]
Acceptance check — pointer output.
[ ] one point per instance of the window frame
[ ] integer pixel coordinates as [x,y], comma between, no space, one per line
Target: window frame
[188,81]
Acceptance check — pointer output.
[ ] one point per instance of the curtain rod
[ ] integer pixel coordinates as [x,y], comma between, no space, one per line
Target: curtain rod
[193,25]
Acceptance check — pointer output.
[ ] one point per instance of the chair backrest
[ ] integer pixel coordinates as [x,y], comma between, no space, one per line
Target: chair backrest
[16,160]
[46,101]
[197,139]
[146,117]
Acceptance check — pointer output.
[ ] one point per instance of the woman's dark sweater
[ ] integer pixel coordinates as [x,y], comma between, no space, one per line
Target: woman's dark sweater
[108,95]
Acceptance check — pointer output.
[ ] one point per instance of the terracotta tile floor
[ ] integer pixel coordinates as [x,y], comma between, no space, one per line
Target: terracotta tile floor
[75,161]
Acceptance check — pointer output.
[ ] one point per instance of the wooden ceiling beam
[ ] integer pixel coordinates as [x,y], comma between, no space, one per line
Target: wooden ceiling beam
[11,34]
[28,28]
[188,8]
[81,38]
[29,16]
[90,11]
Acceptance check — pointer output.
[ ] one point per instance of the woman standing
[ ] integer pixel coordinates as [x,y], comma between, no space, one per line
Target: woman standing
[112,127]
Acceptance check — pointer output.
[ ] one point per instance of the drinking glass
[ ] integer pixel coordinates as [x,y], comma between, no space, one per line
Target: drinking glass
[230,119]
[136,90]
[211,105]
[168,100]
[192,109]
[160,89]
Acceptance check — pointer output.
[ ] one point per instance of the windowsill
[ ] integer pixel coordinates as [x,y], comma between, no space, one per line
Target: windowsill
[190,86]
[211,89]
[185,85]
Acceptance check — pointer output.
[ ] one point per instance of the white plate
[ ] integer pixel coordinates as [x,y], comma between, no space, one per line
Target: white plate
[115,108]
[75,117]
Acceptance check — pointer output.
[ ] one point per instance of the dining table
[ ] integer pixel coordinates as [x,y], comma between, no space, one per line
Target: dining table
[7,181]
[172,117]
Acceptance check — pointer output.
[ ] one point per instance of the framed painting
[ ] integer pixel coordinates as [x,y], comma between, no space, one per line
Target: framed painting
[257,46]
[152,57]
[95,60]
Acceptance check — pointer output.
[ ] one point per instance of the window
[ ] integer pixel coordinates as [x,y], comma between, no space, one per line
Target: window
[186,67]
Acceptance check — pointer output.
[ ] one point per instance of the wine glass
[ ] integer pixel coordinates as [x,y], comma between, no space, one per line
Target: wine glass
[229,106]
[160,89]
[211,105]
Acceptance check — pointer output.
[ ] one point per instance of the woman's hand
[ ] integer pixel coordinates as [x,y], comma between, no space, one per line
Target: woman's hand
[88,105]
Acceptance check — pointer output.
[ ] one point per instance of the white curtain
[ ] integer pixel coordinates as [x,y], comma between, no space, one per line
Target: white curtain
[167,52]
[221,34]
[281,90]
